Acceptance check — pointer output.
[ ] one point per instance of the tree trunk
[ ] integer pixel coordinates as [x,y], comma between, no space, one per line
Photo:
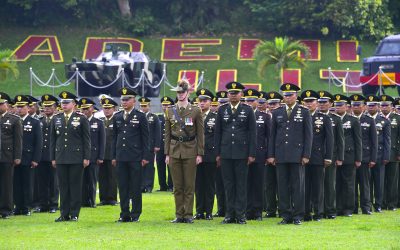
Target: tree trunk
[124,8]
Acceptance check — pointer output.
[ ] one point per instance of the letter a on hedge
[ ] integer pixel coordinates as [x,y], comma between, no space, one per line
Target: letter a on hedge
[37,45]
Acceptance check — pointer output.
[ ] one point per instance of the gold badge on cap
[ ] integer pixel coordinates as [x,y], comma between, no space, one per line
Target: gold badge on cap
[356,97]
[222,94]
[124,91]
[234,85]
[383,98]
[371,98]
[272,95]
[19,98]
[308,93]
[106,101]
[46,97]
[64,95]
[250,92]
[338,98]
[261,95]
[203,91]
[83,101]
[165,99]
[321,94]
[288,86]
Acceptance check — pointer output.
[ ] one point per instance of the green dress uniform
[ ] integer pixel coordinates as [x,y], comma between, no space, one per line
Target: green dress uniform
[69,146]
[184,141]
[11,149]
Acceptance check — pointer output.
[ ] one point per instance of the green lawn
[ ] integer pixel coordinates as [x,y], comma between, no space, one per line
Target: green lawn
[72,42]
[97,229]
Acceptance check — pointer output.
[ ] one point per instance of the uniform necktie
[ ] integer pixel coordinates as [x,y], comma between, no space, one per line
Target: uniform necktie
[48,120]
[289,111]
[233,110]
[66,119]
[126,115]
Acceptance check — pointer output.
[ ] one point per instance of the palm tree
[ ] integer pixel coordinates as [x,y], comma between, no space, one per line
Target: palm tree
[280,53]
[7,66]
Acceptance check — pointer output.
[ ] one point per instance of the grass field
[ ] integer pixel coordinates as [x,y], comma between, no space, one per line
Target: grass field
[72,42]
[96,229]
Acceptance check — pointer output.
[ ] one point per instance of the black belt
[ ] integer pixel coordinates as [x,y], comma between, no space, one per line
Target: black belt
[183,138]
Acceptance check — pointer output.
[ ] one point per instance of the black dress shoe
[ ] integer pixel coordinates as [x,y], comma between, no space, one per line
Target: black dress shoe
[241,221]
[5,216]
[367,212]
[199,216]
[178,220]
[228,221]
[297,222]
[219,214]
[347,215]
[307,218]
[258,218]
[270,215]
[331,217]
[284,222]
[317,218]
[28,213]
[37,210]
[17,212]
[378,210]
[355,211]
[209,217]
[124,219]
[392,209]
[62,218]
[52,210]
[189,220]
[74,218]
[135,220]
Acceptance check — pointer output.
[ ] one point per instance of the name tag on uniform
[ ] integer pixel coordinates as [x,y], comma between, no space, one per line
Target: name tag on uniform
[94,125]
[188,121]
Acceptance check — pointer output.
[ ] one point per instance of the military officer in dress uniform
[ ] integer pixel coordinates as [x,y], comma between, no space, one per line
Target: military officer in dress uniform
[97,148]
[11,152]
[256,171]
[378,171]
[222,97]
[271,186]
[321,157]
[107,172]
[235,137]
[162,168]
[155,138]
[31,155]
[48,185]
[392,167]
[346,173]
[325,104]
[290,150]
[184,149]
[214,104]
[262,102]
[130,154]
[70,154]
[369,154]
[205,172]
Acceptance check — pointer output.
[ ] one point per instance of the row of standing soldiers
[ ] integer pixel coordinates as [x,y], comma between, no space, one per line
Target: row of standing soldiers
[317,157]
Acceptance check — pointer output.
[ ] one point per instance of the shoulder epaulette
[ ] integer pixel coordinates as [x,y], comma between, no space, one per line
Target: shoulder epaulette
[331,113]
[224,104]
[16,116]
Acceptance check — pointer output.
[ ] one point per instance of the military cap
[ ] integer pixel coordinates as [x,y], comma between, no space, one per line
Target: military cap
[222,96]
[85,103]
[356,99]
[386,99]
[234,86]
[273,97]
[182,86]
[144,101]
[67,96]
[309,94]
[195,101]
[48,100]
[108,103]
[325,96]
[204,94]
[372,100]
[214,101]
[95,109]
[339,98]
[126,93]
[33,100]
[11,102]
[289,88]
[21,100]
[166,100]
[4,98]
[396,102]
[251,94]
[262,97]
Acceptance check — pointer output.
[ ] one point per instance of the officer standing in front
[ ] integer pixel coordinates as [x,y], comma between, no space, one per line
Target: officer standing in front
[255,177]
[130,154]
[325,102]
[97,148]
[392,167]
[162,168]
[70,154]
[321,157]
[290,150]
[107,172]
[235,139]
[155,138]
[48,185]
[184,150]
[11,152]
[205,172]
[346,173]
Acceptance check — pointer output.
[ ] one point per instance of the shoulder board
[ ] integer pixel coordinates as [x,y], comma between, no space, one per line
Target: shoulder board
[334,114]
[59,114]
[13,115]
[35,118]
[302,106]
[79,113]
[103,118]
[119,111]
[224,104]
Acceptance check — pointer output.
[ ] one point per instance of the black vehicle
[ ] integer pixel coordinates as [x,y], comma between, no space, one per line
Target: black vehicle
[104,70]
[387,56]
